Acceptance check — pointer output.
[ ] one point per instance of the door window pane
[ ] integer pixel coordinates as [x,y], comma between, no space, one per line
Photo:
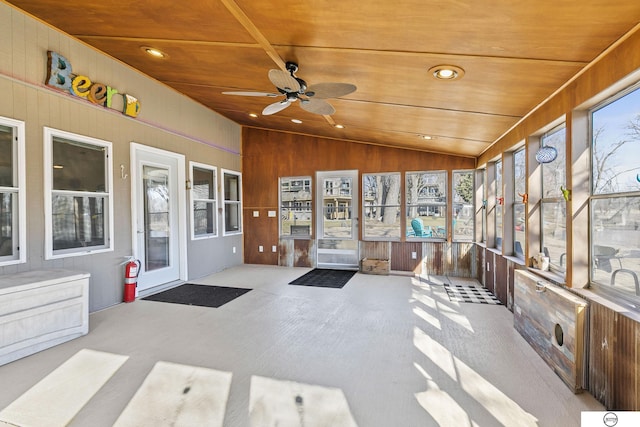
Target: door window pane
[157,217]
[337,215]
[381,206]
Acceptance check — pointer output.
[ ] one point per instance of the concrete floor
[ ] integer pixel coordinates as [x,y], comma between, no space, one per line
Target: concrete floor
[388,350]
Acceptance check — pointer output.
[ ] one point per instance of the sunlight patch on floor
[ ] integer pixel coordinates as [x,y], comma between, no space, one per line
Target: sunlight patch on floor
[178,395]
[499,405]
[441,406]
[292,404]
[59,396]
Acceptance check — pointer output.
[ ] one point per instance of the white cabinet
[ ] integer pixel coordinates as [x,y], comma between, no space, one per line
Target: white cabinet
[40,309]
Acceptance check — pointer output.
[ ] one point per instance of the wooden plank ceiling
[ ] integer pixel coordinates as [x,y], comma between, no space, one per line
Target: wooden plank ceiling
[514,55]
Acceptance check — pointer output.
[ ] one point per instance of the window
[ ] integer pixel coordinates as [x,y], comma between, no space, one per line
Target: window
[426,204]
[553,206]
[499,204]
[615,189]
[204,205]
[78,213]
[463,205]
[483,210]
[381,206]
[296,207]
[232,189]
[519,207]
[12,193]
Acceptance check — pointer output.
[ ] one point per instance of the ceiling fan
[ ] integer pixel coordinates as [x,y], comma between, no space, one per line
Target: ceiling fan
[312,99]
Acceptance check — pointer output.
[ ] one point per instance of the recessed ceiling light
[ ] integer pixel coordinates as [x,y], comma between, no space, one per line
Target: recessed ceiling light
[446,72]
[152,51]
[338,126]
[254,115]
[427,137]
[296,121]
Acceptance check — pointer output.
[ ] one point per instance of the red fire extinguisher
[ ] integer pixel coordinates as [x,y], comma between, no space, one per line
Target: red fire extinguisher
[131,271]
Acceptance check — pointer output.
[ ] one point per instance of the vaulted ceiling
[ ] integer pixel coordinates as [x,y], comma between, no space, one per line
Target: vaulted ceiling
[512,54]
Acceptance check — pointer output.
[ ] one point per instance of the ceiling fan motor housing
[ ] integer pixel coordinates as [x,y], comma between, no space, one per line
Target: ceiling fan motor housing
[292,67]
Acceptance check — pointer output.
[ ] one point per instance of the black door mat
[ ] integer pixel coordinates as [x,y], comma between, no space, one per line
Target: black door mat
[324,278]
[470,293]
[200,295]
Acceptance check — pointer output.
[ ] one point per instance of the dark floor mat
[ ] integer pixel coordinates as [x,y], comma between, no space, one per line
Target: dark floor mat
[324,278]
[200,295]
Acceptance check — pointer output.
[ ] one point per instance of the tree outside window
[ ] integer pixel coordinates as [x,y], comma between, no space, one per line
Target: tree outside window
[381,206]
[519,207]
[615,200]
[553,205]
[462,221]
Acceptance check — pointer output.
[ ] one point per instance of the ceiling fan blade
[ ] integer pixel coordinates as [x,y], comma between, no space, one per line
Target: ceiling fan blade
[331,90]
[284,81]
[317,106]
[271,95]
[275,107]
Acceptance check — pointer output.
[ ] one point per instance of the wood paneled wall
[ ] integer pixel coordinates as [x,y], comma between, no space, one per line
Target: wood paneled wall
[269,155]
[614,358]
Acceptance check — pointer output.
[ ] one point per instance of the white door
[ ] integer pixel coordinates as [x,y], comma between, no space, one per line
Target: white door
[158,202]
[337,219]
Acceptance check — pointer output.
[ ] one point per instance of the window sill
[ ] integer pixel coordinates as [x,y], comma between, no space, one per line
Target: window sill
[612,302]
[515,260]
[552,277]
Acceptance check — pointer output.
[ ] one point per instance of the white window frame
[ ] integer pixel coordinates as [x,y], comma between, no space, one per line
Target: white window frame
[19,188]
[226,202]
[193,199]
[49,134]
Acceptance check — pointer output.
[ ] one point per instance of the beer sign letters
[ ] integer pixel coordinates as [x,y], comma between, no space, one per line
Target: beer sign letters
[60,76]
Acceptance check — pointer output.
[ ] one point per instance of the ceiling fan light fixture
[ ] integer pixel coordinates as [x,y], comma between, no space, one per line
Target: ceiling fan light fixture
[297,121]
[446,72]
[156,53]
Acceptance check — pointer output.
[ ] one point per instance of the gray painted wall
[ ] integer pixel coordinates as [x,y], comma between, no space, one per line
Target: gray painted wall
[167,120]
